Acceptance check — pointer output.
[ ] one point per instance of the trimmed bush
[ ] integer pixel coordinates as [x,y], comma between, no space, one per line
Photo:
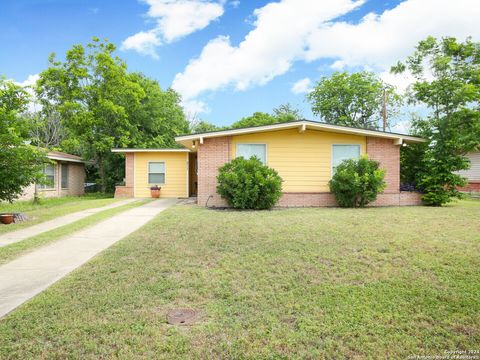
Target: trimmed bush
[248,184]
[357,182]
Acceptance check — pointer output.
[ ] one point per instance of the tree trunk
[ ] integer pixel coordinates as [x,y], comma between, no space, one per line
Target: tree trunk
[103,175]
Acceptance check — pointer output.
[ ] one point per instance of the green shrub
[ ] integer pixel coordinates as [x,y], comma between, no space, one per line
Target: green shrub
[357,182]
[248,184]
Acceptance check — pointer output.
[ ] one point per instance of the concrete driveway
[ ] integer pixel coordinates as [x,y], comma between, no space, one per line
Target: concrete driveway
[22,234]
[28,275]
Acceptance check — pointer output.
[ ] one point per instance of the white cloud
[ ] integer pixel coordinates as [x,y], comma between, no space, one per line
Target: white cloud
[381,40]
[29,81]
[174,20]
[278,39]
[193,107]
[142,42]
[235,3]
[303,30]
[301,86]
[400,81]
[28,84]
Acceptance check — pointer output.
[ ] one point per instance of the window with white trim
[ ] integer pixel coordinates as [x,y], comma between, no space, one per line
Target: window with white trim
[49,172]
[249,150]
[344,152]
[156,173]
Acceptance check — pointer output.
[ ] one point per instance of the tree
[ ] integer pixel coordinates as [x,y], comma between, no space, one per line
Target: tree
[46,128]
[286,112]
[203,126]
[282,113]
[159,118]
[20,163]
[353,99]
[452,93]
[258,118]
[102,106]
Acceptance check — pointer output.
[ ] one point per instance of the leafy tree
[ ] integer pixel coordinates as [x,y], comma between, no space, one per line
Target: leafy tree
[357,182]
[283,113]
[160,117]
[46,128]
[452,92]
[248,184]
[286,112]
[353,99]
[258,118]
[203,126]
[103,106]
[20,164]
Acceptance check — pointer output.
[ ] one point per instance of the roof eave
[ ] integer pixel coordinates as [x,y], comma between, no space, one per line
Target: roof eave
[131,150]
[302,123]
[66,159]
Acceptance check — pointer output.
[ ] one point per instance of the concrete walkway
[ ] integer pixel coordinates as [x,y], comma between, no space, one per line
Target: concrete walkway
[30,274]
[34,230]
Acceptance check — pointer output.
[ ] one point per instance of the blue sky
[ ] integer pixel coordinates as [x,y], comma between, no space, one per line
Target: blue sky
[228,58]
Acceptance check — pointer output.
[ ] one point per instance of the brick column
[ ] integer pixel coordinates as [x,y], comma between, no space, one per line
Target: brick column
[388,155]
[212,154]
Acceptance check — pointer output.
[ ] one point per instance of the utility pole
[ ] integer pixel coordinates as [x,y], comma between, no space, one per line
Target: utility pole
[384,109]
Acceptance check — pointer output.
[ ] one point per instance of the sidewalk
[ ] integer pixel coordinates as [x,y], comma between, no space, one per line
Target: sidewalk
[22,234]
[30,274]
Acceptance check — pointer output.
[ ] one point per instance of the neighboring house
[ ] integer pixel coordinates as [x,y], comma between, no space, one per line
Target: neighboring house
[472,174]
[304,153]
[65,177]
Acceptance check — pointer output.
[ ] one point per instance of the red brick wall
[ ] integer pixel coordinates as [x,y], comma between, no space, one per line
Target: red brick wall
[388,154]
[306,200]
[472,186]
[127,190]
[212,154]
[403,198]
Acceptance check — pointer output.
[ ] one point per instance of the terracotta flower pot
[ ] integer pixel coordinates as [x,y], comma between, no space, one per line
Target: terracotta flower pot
[6,218]
[155,193]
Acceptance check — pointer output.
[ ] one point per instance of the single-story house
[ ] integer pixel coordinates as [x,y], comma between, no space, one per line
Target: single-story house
[65,177]
[472,174]
[304,153]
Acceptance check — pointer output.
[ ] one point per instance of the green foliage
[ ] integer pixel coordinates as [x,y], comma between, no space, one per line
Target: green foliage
[357,182]
[281,114]
[353,99]
[159,117]
[286,112]
[452,93]
[102,106]
[258,118]
[248,184]
[20,164]
[203,126]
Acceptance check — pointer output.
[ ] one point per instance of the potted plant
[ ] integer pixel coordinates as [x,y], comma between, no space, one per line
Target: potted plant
[155,191]
[6,218]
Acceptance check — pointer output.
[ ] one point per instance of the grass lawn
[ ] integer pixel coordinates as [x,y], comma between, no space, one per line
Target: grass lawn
[50,208]
[11,251]
[297,283]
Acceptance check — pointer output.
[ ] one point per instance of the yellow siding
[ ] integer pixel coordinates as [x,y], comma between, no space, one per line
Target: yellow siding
[303,160]
[176,165]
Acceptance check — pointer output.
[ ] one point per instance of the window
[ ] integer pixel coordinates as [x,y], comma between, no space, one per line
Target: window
[156,173]
[49,172]
[64,176]
[249,150]
[344,152]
